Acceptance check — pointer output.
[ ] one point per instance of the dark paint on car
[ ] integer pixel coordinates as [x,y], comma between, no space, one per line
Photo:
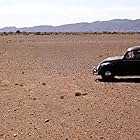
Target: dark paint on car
[127,65]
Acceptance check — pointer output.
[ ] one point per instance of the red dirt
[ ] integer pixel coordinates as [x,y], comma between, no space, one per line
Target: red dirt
[39,77]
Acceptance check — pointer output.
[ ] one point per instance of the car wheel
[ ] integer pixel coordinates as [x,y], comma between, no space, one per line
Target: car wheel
[107,74]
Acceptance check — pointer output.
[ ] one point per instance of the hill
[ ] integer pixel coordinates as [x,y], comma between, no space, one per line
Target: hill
[116,25]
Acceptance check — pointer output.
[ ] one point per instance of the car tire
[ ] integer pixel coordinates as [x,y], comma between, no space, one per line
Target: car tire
[107,74]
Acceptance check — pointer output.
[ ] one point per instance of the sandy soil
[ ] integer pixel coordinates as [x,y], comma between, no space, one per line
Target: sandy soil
[39,77]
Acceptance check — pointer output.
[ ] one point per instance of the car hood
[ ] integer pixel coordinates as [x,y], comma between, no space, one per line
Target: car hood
[112,59]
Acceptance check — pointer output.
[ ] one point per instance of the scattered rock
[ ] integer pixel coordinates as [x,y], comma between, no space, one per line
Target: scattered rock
[1,134]
[98,121]
[62,97]
[78,94]
[15,135]
[44,84]
[32,114]
[84,94]
[15,110]
[34,99]
[21,85]
[29,134]
[47,120]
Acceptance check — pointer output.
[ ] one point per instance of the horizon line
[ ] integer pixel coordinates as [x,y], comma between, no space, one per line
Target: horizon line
[12,26]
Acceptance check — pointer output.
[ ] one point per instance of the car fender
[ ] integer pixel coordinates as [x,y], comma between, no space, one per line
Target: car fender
[105,65]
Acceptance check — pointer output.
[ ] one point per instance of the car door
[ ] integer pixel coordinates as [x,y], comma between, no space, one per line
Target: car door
[137,62]
[128,65]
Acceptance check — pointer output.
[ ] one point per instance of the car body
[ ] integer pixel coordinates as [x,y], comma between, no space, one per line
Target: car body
[126,65]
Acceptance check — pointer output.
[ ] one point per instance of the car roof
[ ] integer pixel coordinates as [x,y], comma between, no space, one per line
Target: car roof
[133,48]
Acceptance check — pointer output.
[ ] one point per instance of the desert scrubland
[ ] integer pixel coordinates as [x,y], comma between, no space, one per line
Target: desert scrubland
[48,91]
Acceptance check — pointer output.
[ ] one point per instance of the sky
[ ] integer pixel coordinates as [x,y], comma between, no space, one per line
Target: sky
[27,13]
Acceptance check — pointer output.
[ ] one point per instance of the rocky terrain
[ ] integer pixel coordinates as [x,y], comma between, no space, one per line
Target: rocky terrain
[48,92]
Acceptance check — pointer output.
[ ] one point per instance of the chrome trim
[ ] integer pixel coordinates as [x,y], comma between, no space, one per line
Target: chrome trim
[95,71]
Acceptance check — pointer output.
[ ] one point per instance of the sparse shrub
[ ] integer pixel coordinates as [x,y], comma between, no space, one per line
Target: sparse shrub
[18,31]
[25,33]
[115,32]
[5,33]
[48,33]
[10,33]
[37,33]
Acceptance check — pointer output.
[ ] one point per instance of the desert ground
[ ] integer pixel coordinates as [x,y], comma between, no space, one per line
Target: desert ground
[48,91]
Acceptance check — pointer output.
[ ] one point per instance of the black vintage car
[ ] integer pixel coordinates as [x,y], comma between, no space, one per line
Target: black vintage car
[127,65]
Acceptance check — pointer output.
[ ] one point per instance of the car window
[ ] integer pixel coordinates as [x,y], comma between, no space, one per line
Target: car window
[129,55]
[137,55]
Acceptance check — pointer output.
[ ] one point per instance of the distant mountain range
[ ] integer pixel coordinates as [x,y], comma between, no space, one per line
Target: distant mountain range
[116,25]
